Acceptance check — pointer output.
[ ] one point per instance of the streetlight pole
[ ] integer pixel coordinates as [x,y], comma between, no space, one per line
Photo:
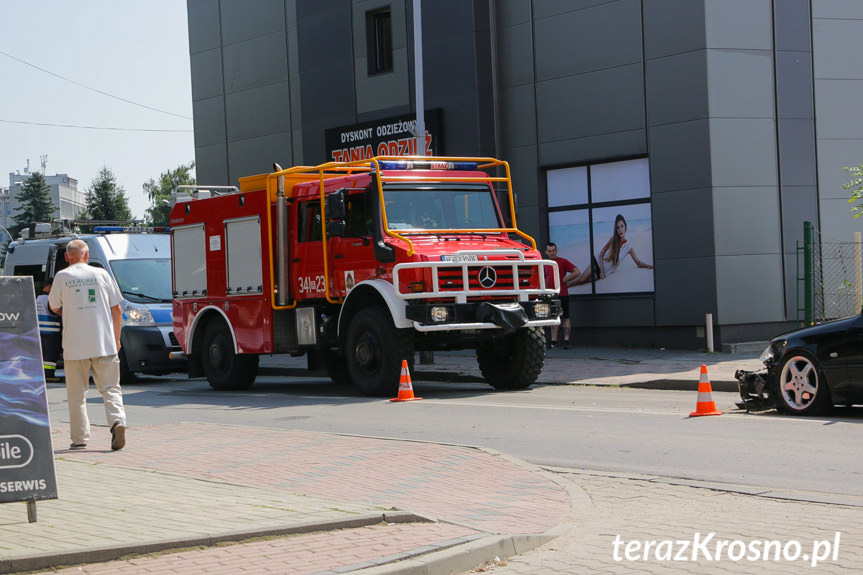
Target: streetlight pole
[418,79]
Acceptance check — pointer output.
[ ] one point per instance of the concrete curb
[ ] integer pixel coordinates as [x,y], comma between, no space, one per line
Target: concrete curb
[447,376]
[469,554]
[111,553]
[461,557]
[682,385]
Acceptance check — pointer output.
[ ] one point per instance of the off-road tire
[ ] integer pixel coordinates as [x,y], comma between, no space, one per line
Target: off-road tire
[801,386]
[224,369]
[375,350]
[336,366]
[513,361]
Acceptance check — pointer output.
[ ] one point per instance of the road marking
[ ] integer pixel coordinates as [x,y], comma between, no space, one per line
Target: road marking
[560,408]
[456,402]
[351,401]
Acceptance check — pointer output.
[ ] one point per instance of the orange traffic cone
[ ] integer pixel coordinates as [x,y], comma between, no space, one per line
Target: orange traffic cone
[705,405]
[406,390]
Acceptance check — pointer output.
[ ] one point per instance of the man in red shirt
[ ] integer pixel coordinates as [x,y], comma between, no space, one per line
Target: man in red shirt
[566,270]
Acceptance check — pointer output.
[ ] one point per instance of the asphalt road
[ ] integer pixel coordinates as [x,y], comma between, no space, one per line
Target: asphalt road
[598,428]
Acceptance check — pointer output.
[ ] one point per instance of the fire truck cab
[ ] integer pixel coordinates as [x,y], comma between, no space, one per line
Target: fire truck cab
[360,265]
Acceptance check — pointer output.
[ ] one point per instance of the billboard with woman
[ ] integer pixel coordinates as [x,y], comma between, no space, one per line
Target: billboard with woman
[607,229]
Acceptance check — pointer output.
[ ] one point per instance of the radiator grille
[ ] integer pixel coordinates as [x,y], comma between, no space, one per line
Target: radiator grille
[452,278]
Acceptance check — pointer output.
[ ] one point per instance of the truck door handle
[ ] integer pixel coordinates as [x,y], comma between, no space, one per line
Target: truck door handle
[295,260]
[339,255]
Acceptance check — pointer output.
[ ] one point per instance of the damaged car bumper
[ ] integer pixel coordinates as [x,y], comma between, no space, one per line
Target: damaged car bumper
[755,390]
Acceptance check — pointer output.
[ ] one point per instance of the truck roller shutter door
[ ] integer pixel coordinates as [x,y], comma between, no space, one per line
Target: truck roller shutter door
[189,256]
[244,258]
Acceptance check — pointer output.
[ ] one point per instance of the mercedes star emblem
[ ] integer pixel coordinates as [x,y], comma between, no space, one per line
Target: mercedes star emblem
[487,277]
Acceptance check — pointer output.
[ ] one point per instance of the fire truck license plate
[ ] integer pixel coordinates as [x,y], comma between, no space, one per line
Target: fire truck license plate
[465,258]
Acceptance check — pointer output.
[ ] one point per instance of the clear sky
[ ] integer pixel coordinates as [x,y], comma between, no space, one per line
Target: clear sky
[129,50]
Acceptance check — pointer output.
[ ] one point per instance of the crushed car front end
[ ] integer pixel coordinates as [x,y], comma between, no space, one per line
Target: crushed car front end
[757,387]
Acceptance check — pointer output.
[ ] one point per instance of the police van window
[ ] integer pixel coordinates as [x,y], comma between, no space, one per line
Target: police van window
[358,217]
[37,271]
[309,228]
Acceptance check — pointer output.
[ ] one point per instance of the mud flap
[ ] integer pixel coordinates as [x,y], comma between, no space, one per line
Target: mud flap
[509,316]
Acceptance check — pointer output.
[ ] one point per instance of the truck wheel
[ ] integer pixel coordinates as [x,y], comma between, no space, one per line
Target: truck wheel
[336,367]
[224,369]
[375,351]
[127,376]
[513,361]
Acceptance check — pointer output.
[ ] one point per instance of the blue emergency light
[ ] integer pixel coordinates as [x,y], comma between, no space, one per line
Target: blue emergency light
[128,229]
[427,165]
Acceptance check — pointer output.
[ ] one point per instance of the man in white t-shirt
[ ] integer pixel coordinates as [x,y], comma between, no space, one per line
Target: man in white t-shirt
[89,300]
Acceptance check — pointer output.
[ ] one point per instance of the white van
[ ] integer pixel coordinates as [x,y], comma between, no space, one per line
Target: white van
[140,263]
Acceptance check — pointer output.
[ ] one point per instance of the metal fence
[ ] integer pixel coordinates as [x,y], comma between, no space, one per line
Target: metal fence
[836,276]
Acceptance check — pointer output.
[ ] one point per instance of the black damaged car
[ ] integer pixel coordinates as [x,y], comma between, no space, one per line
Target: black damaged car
[808,370]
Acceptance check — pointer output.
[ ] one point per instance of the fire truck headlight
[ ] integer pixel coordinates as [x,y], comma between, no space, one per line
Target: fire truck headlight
[439,313]
[542,310]
[136,315]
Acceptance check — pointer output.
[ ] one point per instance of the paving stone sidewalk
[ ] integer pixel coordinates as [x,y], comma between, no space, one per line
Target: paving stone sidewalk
[380,503]
[642,509]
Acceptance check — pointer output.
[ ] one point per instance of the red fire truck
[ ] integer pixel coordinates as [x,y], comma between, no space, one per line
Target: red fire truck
[359,265]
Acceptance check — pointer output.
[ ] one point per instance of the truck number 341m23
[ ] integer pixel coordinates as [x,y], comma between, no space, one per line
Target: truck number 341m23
[311,284]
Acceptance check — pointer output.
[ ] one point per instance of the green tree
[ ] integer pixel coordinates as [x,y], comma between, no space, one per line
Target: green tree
[34,203]
[855,184]
[106,200]
[159,193]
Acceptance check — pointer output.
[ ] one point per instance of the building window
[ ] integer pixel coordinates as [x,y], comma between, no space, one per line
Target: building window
[379,39]
[587,207]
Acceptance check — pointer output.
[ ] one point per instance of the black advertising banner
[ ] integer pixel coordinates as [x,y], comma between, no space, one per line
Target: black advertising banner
[387,137]
[26,454]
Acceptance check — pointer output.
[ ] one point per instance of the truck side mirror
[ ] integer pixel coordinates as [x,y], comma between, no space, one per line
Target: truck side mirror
[336,205]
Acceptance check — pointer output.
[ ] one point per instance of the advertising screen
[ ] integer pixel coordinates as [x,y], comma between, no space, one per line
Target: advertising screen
[26,453]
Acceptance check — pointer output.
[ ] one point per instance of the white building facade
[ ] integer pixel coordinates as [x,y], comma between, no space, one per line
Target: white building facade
[64,193]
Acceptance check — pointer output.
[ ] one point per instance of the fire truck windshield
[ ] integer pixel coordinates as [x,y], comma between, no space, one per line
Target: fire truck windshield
[445,208]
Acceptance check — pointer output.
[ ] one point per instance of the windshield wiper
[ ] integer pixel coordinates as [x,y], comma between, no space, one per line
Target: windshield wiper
[143,295]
